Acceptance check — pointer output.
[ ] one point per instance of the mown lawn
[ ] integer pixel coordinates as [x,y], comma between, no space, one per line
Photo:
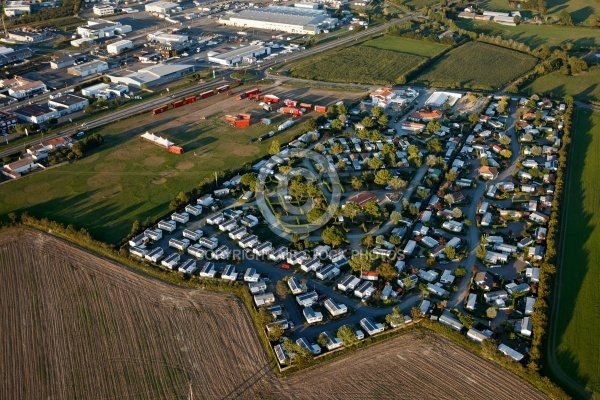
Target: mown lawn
[577,322]
[580,10]
[537,35]
[358,64]
[477,66]
[584,87]
[129,178]
[419,48]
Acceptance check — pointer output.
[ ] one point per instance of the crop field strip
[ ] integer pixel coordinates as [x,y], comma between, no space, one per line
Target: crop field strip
[420,48]
[583,86]
[77,326]
[477,66]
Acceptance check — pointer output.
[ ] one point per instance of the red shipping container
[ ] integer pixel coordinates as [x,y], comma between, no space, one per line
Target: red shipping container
[320,109]
[189,100]
[177,104]
[221,89]
[290,103]
[306,106]
[269,98]
[245,116]
[175,149]
[241,123]
[156,111]
[207,94]
[252,92]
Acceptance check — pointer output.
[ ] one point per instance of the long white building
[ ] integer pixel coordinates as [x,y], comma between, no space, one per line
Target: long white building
[244,54]
[284,19]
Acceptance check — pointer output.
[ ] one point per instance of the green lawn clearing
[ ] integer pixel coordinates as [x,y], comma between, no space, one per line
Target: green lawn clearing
[419,48]
[580,10]
[584,87]
[129,178]
[576,320]
[358,64]
[477,66]
[537,35]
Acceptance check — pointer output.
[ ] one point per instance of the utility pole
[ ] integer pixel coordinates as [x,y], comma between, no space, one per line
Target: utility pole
[191,395]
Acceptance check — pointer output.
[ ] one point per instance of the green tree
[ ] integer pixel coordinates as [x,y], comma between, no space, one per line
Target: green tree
[265,316]
[396,217]
[368,241]
[351,210]
[565,18]
[361,262]
[506,153]
[474,118]
[348,335]
[314,214]
[491,312]
[387,271]
[431,160]
[459,272]
[356,183]
[382,177]
[275,147]
[337,124]
[342,109]
[281,289]
[433,126]
[322,340]
[457,213]
[450,252]
[451,175]
[397,183]
[395,318]
[481,252]
[249,180]
[383,120]
[275,333]
[536,151]
[333,236]
[505,140]
[375,162]
[371,208]
[367,122]
[408,283]
[336,149]
[395,239]
[377,111]
[466,320]
[310,125]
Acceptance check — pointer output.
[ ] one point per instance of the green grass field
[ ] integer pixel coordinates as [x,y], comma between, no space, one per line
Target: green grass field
[477,66]
[580,10]
[358,64]
[537,35]
[584,87]
[129,178]
[419,48]
[578,310]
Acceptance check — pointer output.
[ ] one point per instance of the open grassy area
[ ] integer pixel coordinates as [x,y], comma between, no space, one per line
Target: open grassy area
[575,324]
[580,10]
[584,87]
[128,178]
[419,48]
[477,66]
[417,4]
[537,35]
[358,64]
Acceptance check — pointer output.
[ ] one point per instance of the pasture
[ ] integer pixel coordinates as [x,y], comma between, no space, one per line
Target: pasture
[476,66]
[580,10]
[358,64]
[584,86]
[89,328]
[536,35]
[414,47]
[574,329]
[129,178]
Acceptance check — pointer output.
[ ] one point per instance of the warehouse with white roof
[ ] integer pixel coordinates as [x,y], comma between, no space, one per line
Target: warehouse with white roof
[284,19]
[245,54]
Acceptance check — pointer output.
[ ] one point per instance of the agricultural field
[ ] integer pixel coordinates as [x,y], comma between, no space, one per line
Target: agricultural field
[416,4]
[574,346]
[477,66]
[536,35]
[77,326]
[414,47]
[89,328]
[358,64]
[129,178]
[584,87]
[580,10]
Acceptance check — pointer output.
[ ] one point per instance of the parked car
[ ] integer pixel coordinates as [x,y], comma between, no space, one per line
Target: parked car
[286,266]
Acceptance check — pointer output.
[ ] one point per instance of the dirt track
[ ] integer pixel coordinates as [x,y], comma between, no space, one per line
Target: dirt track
[77,326]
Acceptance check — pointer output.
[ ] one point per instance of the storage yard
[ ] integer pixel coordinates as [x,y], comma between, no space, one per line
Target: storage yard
[187,341]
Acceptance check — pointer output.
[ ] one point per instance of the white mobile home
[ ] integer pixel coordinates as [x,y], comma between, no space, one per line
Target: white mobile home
[264,299]
[138,240]
[450,320]
[155,254]
[197,251]
[229,273]
[215,219]
[182,218]
[189,267]
[179,244]
[370,326]
[279,254]
[307,299]
[193,235]
[194,210]
[410,247]
[222,253]
[471,302]
[350,282]
[311,316]
[153,234]
[507,351]
[238,234]
[333,342]
[334,308]
[168,226]
[171,261]
[257,287]
[378,251]
[295,286]
[365,290]
[248,241]
[138,251]
[206,200]
[263,249]
[251,275]
[328,272]
[228,225]
[208,270]
[310,265]
[314,348]
[209,243]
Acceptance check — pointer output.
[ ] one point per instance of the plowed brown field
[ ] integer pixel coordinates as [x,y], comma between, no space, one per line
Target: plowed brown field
[75,326]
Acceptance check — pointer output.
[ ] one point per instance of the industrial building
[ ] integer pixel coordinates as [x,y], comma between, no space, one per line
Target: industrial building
[38,114]
[8,120]
[89,68]
[20,88]
[23,36]
[245,54]
[68,103]
[154,75]
[16,8]
[280,18]
[99,28]
[103,9]
[117,47]
[9,55]
[167,38]
[62,62]
[161,7]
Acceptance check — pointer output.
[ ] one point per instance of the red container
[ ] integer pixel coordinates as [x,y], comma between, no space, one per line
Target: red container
[221,89]
[269,98]
[290,103]
[290,110]
[240,96]
[240,123]
[306,106]
[207,94]
[245,116]
[251,93]
[178,104]
[175,149]
[320,109]
[161,109]
[189,100]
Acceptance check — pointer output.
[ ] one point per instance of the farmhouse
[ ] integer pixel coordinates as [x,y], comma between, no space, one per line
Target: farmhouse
[371,326]
[349,282]
[334,308]
[307,299]
[312,316]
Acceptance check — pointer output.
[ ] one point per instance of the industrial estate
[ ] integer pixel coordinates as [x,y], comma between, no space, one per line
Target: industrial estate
[198,199]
